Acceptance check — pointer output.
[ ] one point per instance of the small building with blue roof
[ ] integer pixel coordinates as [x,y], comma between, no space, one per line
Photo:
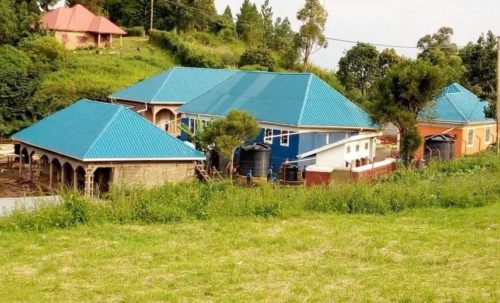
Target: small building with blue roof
[90,144]
[461,115]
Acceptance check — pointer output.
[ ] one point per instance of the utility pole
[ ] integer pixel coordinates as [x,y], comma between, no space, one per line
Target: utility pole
[498,95]
[151,16]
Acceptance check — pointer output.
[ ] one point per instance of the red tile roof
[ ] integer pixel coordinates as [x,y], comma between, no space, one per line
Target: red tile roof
[79,19]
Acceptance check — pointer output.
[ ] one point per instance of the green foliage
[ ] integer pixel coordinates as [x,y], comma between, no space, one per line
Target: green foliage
[403,93]
[228,133]
[480,60]
[136,31]
[468,182]
[313,17]
[359,67]
[197,49]
[17,20]
[249,24]
[266,11]
[95,6]
[19,82]
[45,51]
[388,58]
[258,57]
[440,51]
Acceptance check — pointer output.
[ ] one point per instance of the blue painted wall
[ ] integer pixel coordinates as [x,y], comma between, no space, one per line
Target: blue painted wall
[298,144]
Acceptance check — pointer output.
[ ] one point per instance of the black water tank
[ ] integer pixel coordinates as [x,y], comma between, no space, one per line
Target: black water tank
[256,157]
[290,173]
[442,147]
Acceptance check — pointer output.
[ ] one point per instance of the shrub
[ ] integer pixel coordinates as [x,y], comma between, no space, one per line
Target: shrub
[136,31]
[45,51]
[260,57]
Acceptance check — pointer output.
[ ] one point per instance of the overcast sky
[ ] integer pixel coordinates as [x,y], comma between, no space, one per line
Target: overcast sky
[400,22]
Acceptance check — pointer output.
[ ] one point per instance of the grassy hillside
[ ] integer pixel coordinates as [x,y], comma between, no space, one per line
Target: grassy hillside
[92,75]
[427,255]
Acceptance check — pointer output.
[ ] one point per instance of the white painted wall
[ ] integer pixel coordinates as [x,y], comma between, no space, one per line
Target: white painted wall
[338,156]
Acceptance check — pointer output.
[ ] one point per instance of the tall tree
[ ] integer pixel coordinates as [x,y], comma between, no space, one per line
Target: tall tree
[359,68]
[388,58]
[284,43]
[406,90]
[266,12]
[248,24]
[203,12]
[480,60]
[228,13]
[313,17]
[440,50]
[18,19]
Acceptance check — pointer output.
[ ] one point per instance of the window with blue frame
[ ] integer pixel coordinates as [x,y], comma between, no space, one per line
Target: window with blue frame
[192,125]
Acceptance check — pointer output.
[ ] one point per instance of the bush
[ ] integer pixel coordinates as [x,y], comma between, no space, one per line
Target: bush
[257,57]
[136,31]
[45,51]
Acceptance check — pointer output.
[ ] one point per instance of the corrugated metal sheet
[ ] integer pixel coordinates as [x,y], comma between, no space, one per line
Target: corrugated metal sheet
[94,130]
[457,104]
[283,98]
[176,85]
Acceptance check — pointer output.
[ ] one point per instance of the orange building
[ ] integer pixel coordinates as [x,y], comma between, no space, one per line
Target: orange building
[459,114]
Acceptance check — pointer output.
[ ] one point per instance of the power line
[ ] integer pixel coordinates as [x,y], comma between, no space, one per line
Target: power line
[210,13]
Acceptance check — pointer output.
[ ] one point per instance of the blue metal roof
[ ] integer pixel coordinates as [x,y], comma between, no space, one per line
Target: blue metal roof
[95,131]
[176,85]
[283,98]
[457,104]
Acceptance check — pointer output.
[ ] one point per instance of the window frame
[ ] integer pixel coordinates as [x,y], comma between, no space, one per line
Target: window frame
[348,149]
[287,136]
[192,125]
[487,135]
[268,139]
[470,143]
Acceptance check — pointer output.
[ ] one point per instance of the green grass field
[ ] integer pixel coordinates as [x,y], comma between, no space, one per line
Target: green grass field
[425,255]
[92,75]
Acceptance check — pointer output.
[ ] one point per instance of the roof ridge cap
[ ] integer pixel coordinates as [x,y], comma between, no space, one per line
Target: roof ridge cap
[304,100]
[120,109]
[164,83]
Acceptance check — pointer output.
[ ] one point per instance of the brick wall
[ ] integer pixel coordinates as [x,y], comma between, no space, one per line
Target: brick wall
[73,40]
[152,174]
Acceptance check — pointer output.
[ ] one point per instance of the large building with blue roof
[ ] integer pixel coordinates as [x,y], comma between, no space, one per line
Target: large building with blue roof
[298,112]
[460,114]
[90,144]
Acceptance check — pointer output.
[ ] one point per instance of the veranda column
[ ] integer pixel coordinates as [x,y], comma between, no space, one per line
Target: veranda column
[63,176]
[74,180]
[51,170]
[98,41]
[30,170]
[89,180]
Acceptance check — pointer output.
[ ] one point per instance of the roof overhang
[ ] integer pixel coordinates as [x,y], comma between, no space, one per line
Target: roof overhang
[455,123]
[117,99]
[110,159]
[309,128]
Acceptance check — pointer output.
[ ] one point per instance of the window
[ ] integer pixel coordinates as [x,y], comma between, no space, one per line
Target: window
[285,138]
[470,137]
[268,136]
[367,145]
[348,149]
[357,148]
[192,125]
[487,135]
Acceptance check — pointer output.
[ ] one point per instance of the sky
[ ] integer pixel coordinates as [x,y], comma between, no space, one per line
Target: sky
[395,22]
[400,22]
